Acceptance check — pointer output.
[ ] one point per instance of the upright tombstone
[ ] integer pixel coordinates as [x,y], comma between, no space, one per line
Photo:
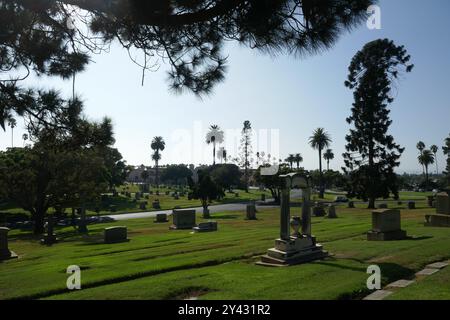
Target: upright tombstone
[161,218]
[319,210]
[443,203]
[50,236]
[5,253]
[331,212]
[143,205]
[183,219]
[383,206]
[206,213]
[351,204]
[251,212]
[298,247]
[156,204]
[442,216]
[411,205]
[263,197]
[386,225]
[116,234]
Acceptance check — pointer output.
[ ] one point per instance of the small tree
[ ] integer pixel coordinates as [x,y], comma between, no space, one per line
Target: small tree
[206,190]
[371,153]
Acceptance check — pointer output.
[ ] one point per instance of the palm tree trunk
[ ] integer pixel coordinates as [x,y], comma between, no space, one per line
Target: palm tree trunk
[157,175]
[437,166]
[321,191]
[328,165]
[426,174]
[214,153]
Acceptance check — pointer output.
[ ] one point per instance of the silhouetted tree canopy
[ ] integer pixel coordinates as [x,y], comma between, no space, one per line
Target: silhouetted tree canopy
[371,152]
[56,38]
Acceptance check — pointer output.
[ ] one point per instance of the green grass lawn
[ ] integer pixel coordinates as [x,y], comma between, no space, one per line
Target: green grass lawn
[162,264]
[434,287]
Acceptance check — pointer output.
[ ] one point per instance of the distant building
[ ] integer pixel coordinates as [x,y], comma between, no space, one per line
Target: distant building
[136,176]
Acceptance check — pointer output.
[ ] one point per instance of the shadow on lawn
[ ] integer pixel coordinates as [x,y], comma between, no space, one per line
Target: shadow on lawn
[226,217]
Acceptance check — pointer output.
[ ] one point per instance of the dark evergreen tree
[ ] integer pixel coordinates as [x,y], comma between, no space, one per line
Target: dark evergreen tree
[371,152]
[56,37]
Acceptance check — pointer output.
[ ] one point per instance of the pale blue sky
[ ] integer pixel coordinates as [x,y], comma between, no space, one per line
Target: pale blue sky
[292,95]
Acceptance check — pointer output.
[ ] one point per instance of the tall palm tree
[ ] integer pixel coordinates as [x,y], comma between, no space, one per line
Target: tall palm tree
[158,145]
[434,148]
[328,156]
[12,123]
[421,146]
[425,159]
[319,141]
[298,159]
[214,136]
[290,160]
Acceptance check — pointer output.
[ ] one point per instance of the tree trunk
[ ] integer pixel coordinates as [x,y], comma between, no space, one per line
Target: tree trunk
[371,203]
[157,175]
[39,217]
[214,153]
[321,191]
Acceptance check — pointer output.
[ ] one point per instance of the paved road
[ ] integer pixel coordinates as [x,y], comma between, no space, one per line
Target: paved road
[215,208]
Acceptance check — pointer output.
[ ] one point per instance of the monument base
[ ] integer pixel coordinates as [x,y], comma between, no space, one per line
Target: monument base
[49,239]
[174,227]
[160,221]
[8,255]
[386,236]
[293,251]
[437,220]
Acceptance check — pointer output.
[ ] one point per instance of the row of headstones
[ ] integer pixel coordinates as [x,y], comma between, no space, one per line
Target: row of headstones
[411,205]
[182,220]
[320,211]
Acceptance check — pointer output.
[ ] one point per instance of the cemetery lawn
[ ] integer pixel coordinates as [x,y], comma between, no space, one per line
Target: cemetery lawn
[162,264]
[434,287]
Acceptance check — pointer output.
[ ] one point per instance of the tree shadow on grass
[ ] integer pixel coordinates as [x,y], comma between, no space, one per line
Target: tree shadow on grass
[225,217]
[419,238]
[389,271]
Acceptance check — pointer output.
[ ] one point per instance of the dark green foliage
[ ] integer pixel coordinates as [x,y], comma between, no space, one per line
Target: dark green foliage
[226,175]
[176,174]
[372,153]
[272,182]
[67,166]
[206,189]
[446,150]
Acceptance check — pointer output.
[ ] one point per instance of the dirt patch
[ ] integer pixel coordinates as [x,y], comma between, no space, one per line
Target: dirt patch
[189,293]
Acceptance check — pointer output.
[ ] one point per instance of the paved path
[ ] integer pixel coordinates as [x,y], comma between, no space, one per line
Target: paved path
[230,207]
